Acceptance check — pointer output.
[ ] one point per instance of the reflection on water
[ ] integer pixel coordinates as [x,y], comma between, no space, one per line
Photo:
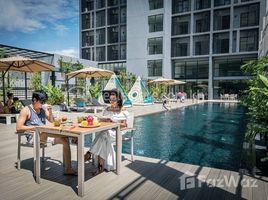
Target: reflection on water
[209,134]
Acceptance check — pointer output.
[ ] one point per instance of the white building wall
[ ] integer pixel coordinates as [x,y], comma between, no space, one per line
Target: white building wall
[138,34]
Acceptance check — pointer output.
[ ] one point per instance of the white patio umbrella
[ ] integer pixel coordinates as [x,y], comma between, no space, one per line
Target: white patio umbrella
[22,64]
[89,72]
[176,82]
[162,80]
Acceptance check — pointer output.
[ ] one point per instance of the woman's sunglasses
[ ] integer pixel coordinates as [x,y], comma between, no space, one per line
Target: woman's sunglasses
[113,100]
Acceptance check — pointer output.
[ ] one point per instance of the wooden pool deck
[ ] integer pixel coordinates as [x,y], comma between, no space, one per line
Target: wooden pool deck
[145,178]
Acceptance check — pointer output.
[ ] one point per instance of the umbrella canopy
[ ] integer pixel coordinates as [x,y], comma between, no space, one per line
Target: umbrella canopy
[176,82]
[162,80]
[23,64]
[90,72]
[201,86]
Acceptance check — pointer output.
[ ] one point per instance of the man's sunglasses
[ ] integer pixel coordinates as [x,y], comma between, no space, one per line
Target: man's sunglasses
[42,101]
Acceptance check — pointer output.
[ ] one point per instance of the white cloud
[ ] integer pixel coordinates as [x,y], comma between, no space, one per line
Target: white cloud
[31,15]
[72,52]
[60,29]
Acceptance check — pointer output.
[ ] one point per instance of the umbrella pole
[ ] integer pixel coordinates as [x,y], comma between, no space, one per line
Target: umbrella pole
[68,96]
[25,75]
[3,78]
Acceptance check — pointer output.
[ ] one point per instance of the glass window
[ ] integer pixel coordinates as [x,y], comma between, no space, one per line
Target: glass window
[221,43]
[155,23]
[155,45]
[202,22]
[179,6]
[87,5]
[154,67]
[179,70]
[155,4]
[113,53]
[191,69]
[85,21]
[113,34]
[221,2]
[180,47]
[87,38]
[112,2]
[123,15]
[201,45]
[100,4]
[123,34]
[123,1]
[250,16]
[202,4]
[113,16]
[222,19]
[181,25]
[123,52]
[86,53]
[229,67]
[100,36]
[100,18]
[100,54]
[234,41]
[249,40]
[92,21]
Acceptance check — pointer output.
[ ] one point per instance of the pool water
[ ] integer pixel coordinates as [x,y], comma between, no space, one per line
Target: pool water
[209,134]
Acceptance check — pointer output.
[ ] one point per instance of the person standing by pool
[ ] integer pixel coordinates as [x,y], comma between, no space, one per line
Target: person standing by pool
[36,115]
[103,144]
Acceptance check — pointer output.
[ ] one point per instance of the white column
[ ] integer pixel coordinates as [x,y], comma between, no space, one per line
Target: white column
[192,29]
[210,61]
[231,27]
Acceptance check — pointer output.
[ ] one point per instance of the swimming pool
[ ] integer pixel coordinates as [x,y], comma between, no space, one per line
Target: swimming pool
[209,134]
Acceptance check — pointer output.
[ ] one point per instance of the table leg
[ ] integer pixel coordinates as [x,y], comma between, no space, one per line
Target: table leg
[37,156]
[81,165]
[118,149]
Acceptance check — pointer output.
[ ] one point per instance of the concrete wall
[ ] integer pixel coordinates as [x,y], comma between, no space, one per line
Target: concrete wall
[138,34]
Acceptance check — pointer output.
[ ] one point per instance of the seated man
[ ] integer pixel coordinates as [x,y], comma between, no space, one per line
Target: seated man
[35,115]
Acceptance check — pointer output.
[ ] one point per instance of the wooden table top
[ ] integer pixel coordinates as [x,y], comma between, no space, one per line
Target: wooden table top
[76,129]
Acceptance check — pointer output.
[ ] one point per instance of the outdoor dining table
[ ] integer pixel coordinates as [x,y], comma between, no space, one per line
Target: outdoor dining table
[79,132]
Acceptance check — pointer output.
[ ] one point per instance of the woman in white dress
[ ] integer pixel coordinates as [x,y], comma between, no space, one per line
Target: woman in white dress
[102,145]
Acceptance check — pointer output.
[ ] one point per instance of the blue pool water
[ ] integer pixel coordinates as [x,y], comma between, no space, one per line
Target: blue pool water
[209,134]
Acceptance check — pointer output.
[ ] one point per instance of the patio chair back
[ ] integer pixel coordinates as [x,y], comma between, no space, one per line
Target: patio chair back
[130,121]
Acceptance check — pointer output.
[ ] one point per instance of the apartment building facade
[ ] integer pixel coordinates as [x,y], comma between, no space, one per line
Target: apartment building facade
[203,42]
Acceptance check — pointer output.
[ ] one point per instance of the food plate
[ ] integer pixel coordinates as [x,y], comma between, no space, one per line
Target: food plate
[89,126]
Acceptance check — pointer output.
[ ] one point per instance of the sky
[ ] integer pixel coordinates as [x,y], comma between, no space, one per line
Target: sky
[42,25]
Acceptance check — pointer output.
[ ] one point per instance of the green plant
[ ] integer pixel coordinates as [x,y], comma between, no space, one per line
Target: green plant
[55,95]
[95,90]
[35,81]
[66,67]
[127,80]
[157,90]
[256,99]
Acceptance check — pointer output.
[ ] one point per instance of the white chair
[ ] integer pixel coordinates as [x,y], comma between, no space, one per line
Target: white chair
[129,129]
[226,96]
[27,144]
